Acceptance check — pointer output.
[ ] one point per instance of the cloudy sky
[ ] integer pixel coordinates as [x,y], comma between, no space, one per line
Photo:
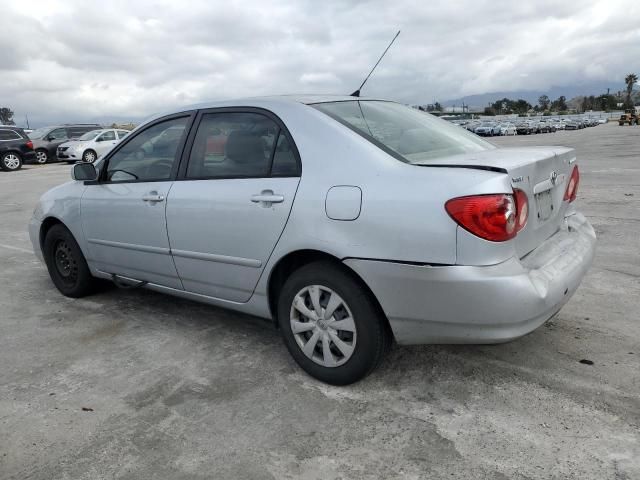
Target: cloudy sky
[80,60]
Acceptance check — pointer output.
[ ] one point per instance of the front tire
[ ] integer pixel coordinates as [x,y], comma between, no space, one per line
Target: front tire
[42,156]
[10,162]
[330,324]
[67,266]
[89,156]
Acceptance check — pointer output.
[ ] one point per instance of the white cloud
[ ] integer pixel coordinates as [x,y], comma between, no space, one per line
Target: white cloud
[83,60]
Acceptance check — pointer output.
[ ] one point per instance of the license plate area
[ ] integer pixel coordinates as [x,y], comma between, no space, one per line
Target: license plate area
[544,202]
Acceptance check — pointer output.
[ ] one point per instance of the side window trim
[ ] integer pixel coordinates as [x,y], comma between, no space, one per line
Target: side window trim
[190,115]
[282,128]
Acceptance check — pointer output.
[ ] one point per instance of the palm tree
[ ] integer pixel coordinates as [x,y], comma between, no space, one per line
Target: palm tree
[630,80]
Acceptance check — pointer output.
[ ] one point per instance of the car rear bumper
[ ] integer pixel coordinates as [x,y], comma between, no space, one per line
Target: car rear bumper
[28,157]
[492,304]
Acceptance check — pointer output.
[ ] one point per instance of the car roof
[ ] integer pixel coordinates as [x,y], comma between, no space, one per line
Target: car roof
[269,101]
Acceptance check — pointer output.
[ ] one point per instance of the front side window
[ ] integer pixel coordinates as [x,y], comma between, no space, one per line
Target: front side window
[150,155]
[233,145]
[406,133]
[58,134]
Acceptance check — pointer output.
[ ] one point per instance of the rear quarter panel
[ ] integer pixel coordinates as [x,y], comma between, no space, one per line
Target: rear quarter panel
[402,216]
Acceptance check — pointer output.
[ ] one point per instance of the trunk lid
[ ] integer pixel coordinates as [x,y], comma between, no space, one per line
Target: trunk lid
[541,172]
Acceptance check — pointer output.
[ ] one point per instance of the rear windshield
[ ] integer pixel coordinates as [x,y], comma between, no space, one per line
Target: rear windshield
[408,134]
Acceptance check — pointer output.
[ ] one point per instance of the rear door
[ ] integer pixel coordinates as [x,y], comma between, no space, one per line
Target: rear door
[123,214]
[229,207]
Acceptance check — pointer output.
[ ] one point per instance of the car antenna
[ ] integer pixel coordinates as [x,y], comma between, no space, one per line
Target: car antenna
[357,92]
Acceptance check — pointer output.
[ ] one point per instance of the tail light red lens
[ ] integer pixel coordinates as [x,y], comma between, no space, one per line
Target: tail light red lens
[30,144]
[522,208]
[572,188]
[492,217]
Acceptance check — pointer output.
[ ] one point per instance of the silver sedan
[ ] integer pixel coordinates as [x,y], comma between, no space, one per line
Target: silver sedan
[349,222]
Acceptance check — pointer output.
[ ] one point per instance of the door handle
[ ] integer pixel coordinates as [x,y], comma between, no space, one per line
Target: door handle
[153,197]
[267,197]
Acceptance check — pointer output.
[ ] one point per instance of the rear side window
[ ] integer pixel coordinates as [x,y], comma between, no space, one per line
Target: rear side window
[238,145]
[122,134]
[9,135]
[284,159]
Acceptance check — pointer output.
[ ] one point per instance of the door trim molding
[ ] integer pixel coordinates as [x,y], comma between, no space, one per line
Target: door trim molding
[130,246]
[209,257]
[212,257]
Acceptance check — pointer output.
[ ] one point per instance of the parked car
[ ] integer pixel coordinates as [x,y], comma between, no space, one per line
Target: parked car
[467,251]
[46,139]
[505,129]
[15,148]
[471,126]
[90,146]
[525,128]
[571,125]
[542,127]
[485,129]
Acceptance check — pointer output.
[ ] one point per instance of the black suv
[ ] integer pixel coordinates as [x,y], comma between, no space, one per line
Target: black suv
[47,139]
[15,148]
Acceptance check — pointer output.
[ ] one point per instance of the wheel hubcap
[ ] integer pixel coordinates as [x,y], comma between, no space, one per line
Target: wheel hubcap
[323,326]
[41,157]
[89,157]
[65,262]
[11,161]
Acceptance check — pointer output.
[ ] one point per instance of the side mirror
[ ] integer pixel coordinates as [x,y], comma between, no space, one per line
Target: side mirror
[83,172]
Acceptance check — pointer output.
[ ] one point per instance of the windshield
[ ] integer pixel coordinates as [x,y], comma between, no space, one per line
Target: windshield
[407,134]
[90,135]
[39,133]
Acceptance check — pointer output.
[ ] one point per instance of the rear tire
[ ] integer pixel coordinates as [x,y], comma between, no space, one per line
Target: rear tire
[344,336]
[67,266]
[10,162]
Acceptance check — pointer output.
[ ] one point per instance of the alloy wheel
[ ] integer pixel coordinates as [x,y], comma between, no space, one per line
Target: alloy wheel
[89,156]
[323,326]
[41,156]
[11,161]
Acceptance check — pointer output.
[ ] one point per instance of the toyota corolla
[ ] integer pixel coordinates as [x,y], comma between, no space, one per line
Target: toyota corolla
[350,222]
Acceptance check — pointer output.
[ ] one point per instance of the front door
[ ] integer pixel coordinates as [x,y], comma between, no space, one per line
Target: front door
[123,214]
[105,142]
[228,210]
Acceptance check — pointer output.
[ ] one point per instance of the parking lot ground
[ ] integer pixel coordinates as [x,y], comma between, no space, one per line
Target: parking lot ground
[133,384]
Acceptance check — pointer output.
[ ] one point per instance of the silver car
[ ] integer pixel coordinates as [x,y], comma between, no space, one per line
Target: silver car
[349,222]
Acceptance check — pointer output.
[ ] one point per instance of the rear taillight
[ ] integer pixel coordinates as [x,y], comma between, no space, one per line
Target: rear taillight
[522,208]
[572,188]
[492,217]
[30,144]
